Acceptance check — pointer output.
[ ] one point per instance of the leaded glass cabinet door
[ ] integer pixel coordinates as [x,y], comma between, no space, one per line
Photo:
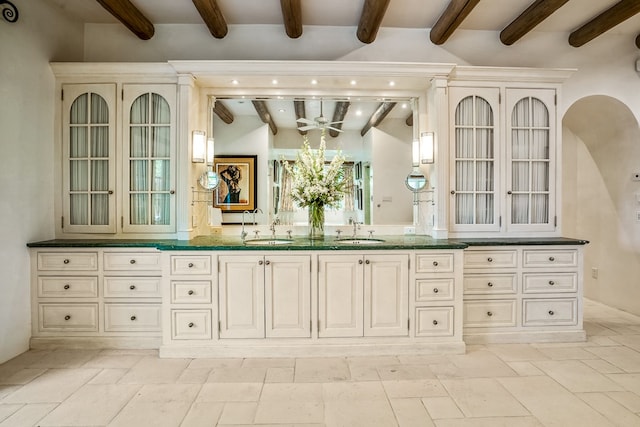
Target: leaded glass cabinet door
[474,172]
[149,158]
[531,142]
[89,158]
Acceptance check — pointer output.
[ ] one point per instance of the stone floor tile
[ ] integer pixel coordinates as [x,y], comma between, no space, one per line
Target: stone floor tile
[269,363]
[629,400]
[405,372]
[322,369]
[577,377]
[113,361]
[151,370]
[229,392]
[413,388]
[359,413]
[205,414]
[525,369]
[215,363]
[620,356]
[289,412]
[612,410]
[28,415]
[353,391]
[411,413]
[238,413]
[21,376]
[8,410]
[567,353]
[364,373]
[478,364]
[156,414]
[517,352]
[24,360]
[53,386]
[483,397]
[108,376]
[6,390]
[194,376]
[630,382]
[428,359]
[603,366]
[302,392]
[441,407]
[237,375]
[60,359]
[279,375]
[491,422]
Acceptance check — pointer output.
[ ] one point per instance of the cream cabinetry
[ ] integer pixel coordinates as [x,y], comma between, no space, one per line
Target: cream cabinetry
[523,293]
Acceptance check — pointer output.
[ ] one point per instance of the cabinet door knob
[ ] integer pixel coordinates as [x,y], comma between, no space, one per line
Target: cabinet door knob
[435,263]
[267,262]
[367,262]
[453,191]
[435,290]
[551,259]
[551,313]
[66,261]
[190,292]
[67,286]
[133,318]
[359,261]
[191,324]
[67,317]
[509,192]
[551,282]
[490,285]
[435,322]
[490,259]
[172,192]
[489,313]
[260,262]
[190,265]
[132,287]
[110,192]
[132,261]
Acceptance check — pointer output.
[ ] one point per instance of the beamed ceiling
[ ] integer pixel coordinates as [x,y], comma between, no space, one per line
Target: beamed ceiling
[512,20]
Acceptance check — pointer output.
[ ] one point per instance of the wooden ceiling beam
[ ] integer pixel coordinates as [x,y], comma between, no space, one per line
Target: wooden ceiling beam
[372,13]
[602,23]
[338,116]
[298,106]
[212,16]
[376,118]
[292,17]
[450,20]
[529,19]
[265,116]
[130,16]
[223,112]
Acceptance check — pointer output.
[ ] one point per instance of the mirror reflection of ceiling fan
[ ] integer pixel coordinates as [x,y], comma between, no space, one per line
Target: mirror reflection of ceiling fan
[319,122]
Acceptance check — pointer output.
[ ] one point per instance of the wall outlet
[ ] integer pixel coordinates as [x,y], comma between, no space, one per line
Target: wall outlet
[594,272]
[635,176]
[409,230]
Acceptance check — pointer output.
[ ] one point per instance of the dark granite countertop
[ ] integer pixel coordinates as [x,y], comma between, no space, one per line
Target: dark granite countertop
[523,241]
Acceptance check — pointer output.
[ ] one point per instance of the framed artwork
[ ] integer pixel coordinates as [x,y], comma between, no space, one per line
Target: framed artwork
[237,191]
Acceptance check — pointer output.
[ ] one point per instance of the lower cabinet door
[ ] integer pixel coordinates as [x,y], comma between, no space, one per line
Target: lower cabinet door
[288,296]
[68,317]
[386,295]
[132,317]
[191,324]
[434,321]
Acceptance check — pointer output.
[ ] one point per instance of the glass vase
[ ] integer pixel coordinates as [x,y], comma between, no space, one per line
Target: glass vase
[316,221]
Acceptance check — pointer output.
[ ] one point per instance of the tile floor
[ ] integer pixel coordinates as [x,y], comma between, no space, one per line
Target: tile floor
[594,383]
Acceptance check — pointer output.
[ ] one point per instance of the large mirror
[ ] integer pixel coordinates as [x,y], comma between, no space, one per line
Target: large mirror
[374,135]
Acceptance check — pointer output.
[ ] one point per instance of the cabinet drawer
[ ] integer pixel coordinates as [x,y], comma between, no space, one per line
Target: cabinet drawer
[131,317]
[191,292]
[550,312]
[67,261]
[434,263]
[191,324]
[131,261]
[67,287]
[550,258]
[434,290]
[491,259]
[200,264]
[434,321]
[68,317]
[489,313]
[555,282]
[487,284]
[132,287]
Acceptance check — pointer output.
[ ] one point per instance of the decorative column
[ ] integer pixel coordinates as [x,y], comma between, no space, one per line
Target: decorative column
[439,119]
[186,118]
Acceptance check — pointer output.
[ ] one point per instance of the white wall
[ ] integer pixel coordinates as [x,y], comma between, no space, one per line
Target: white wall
[26,148]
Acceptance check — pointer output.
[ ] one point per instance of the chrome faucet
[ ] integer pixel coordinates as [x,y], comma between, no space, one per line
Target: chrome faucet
[356,227]
[255,211]
[272,227]
[243,233]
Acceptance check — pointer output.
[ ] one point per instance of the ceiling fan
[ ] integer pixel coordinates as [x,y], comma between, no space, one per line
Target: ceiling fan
[319,122]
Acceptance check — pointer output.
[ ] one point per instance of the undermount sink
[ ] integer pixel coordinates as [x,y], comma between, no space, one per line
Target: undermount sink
[362,241]
[267,242]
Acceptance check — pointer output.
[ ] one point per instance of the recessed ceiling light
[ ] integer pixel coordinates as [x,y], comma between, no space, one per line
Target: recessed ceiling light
[353,82]
[274,81]
[314,82]
[404,105]
[234,82]
[282,110]
[358,112]
[392,83]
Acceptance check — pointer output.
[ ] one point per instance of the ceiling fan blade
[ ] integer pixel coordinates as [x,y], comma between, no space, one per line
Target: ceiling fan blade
[335,123]
[305,120]
[332,128]
[307,127]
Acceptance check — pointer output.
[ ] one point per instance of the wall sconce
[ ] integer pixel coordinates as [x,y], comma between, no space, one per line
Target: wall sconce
[198,146]
[210,151]
[426,147]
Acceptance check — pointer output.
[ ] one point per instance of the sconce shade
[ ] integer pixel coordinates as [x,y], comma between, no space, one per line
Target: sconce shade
[415,153]
[426,147]
[198,146]
[210,151]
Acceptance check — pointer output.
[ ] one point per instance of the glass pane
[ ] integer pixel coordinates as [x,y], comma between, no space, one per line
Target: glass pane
[78,142]
[139,209]
[79,214]
[139,179]
[484,209]
[540,209]
[99,110]
[540,144]
[100,209]
[464,112]
[464,208]
[140,110]
[520,209]
[464,143]
[539,113]
[520,176]
[464,176]
[520,144]
[139,142]
[99,175]
[484,176]
[78,175]
[539,176]
[78,113]
[484,115]
[520,114]
[99,141]
[160,175]
[160,206]
[160,142]
[484,143]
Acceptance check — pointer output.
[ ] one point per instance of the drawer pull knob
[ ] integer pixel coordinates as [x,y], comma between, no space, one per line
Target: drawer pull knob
[551,282]
[66,261]
[489,313]
[360,261]
[490,259]
[67,317]
[132,287]
[435,263]
[551,313]
[551,259]
[133,318]
[490,285]
[267,262]
[67,286]
[435,290]
[191,324]
[190,292]
[190,265]
[132,261]
[262,262]
[367,262]
[435,322]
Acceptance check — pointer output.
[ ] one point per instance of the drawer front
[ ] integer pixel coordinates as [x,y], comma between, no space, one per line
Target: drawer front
[67,261]
[67,287]
[491,259]
[194,292]
[487,284]
[191,324]
[434,290]
[132,317]
[131,261]
[68,317]
[550,312]
[489,313]
[434,263]
[434,321]
[550,258]
[200,264]
[132,287]
[552,282]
